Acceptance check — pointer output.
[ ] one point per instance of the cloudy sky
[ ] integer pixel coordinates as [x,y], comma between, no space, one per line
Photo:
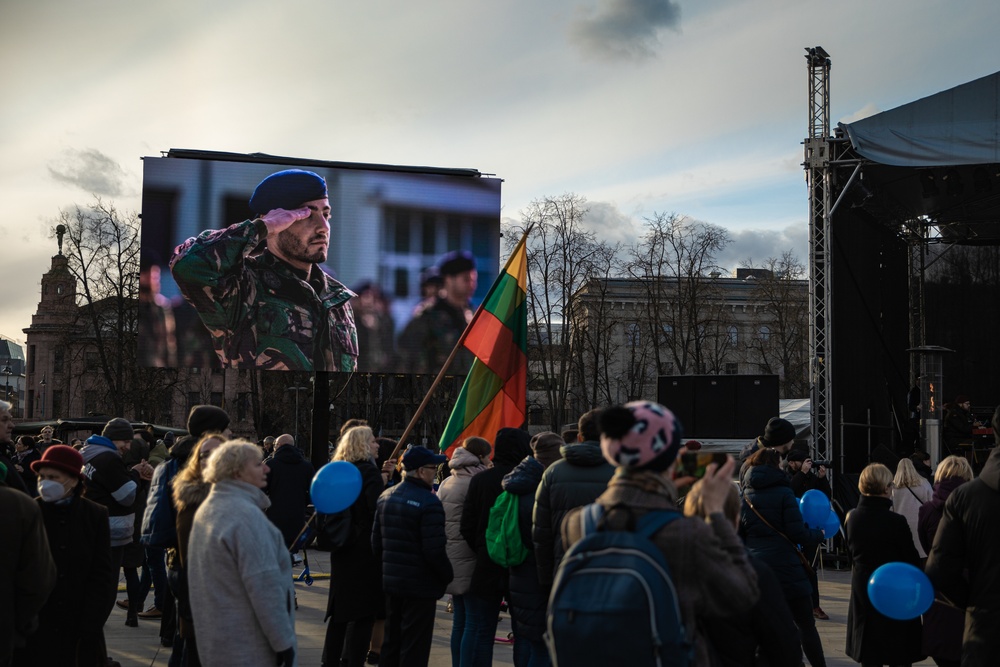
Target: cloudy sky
[641,106]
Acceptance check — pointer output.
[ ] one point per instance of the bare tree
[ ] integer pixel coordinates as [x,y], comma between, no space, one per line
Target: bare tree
[103,256]
[673,262]
[781,341]
[562,255]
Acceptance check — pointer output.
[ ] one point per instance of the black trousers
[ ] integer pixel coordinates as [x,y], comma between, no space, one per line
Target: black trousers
[347,642]
[409,629]
[802,614]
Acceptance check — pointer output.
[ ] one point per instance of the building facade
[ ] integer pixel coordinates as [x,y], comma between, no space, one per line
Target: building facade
[626,332]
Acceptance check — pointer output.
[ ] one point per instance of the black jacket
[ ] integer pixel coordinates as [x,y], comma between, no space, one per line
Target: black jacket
[288,488]
[488,578]
[768,490]
[967,538]
[355,574]
[767,630]
[408,537]
[75,611]
[876,536]
[575,480]
[527,599]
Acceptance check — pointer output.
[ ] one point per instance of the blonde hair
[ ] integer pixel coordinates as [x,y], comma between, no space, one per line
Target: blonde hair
[875,480]
[354,445]
[694,502]
[906,475]
[954,466]
[191,472]
[226,461]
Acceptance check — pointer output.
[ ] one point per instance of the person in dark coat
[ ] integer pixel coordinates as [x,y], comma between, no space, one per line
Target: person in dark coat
[576,480]
[159,522]
[876,536]
[967,540]
[766,635]
[943,623]
[7,452]
[27,571]
[79,537]
[288,487]
[408,538]
[768,494]
[528,601]
[27,453]
[356,597]
[489,581]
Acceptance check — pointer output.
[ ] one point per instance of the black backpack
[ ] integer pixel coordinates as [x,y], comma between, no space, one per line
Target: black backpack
[613,601]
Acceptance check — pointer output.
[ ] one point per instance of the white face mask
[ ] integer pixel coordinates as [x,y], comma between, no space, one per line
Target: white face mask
[50,490]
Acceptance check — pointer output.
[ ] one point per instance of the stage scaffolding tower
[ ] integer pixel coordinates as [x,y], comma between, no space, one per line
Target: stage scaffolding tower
[819,177]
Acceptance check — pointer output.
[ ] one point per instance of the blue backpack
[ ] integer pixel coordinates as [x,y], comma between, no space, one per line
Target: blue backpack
[613,601]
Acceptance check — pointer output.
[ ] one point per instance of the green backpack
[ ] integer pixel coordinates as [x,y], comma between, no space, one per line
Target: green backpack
[503,535]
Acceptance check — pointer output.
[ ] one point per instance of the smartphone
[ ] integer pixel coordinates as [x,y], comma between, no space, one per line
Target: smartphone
[693,464]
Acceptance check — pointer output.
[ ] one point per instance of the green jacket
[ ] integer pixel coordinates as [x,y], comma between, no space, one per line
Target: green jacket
[260,311]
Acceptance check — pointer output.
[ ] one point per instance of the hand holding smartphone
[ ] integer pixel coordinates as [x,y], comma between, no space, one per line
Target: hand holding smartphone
[694,464]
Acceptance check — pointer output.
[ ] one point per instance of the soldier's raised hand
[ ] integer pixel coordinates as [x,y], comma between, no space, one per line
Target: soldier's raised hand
[280,219]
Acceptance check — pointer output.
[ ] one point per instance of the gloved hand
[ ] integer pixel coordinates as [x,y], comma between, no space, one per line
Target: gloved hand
[286,658]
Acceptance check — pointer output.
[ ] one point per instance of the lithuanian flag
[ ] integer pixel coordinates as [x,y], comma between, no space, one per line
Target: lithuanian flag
[495,389]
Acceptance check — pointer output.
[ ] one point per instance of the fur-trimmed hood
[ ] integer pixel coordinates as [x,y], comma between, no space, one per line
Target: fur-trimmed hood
[190,493]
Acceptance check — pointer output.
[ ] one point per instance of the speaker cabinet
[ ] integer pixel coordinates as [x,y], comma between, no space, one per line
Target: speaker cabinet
[720,406]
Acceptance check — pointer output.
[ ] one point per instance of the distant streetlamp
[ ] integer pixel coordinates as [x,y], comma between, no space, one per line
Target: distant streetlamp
[42,382]
[297,390]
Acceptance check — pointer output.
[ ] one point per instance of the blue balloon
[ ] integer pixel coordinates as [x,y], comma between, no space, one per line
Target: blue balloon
[832,525]
[815,507]
[900,591]
[335,487]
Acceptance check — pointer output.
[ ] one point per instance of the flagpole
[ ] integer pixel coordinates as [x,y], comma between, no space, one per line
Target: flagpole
[454,351]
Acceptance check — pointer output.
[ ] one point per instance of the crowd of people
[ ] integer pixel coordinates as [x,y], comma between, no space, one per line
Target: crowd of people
[211,525]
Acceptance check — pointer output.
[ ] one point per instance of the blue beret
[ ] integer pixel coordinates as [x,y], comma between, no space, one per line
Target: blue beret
[456,262]
[287,189]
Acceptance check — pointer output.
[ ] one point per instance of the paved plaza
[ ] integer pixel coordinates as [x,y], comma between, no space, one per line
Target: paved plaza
[140,647]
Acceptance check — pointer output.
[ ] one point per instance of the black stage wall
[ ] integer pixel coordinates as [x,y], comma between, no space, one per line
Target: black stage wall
[870,334]
[962,310]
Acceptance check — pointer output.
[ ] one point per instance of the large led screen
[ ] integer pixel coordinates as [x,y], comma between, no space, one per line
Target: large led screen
[409,254]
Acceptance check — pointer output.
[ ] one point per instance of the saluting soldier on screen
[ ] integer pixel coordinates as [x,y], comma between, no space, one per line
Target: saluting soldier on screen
[277,309]
[428,338]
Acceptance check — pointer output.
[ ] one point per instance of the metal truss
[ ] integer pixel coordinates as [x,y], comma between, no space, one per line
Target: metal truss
[819,178]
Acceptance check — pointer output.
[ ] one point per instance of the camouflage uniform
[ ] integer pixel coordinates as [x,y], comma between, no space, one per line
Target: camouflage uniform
[260,311]
[428,339]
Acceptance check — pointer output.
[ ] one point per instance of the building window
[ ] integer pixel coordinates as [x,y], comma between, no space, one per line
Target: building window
[90,402]
[764,333]
[732,368]
[58,357]
[193,399]
[167,406]
[242,406]
[31,358]
[734,335]
[57,403]
[92,361]
[216,398]
[31,403]
[632,334]
[668,334]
